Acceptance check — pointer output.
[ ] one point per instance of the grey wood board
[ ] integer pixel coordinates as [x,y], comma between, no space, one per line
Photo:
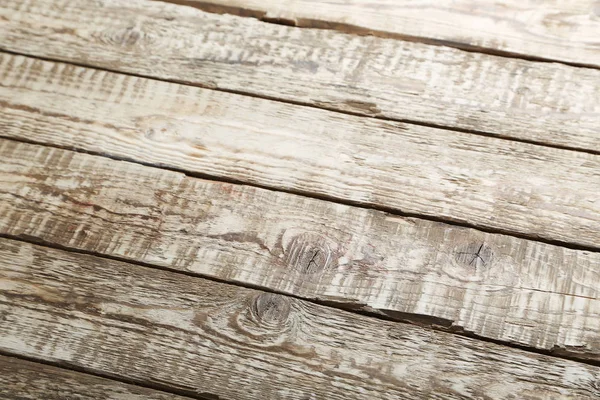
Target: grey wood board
[496,286]
[560,30]
[493,184]
[546,103]
[221,340]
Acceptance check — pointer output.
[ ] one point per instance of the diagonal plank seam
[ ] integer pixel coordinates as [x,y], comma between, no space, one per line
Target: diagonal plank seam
[319,106]
[179,391]
[326,68]
[423,321]
[316,196]
[352,29]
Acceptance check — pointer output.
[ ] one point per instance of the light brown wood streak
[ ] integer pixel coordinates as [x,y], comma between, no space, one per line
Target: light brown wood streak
[540,102]
[22,380]
[498,287]
[155,326]
[487,182]
[561,30]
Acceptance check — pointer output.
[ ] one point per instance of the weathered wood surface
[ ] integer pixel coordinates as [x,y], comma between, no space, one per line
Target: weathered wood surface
[495,286]
[480,181]
[222,340]
[540,102]
[23,380]
[560,30]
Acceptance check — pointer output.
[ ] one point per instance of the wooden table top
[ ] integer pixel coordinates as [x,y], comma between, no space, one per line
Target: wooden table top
[299,199]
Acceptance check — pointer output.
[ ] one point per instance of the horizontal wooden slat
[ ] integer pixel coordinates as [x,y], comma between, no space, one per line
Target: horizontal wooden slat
[495,286]
[560,30]
[21,380]
[480,181]
[235,343]
[540,102]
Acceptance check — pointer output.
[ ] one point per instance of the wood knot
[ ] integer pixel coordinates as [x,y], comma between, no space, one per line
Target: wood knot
[271,309]
[159,129]
[127,37]
[474,255]
[308,254]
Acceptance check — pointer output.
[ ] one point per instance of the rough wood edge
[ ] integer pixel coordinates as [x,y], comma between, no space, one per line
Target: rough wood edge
[338,24]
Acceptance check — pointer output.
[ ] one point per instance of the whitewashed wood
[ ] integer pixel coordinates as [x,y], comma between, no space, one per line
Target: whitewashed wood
[454,278]
[486,182]
[21,380]
[539,102]
[155,326]
[560,30]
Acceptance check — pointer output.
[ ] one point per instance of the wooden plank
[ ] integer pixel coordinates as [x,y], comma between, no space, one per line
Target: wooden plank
[559,30]
[236,343]
[479,181]
[454,278]
[21,380]
[543,103]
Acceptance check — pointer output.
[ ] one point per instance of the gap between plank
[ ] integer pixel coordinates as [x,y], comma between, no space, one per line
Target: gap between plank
[309,105]
[310,23]
[423,321]
[332,199]
[192,394]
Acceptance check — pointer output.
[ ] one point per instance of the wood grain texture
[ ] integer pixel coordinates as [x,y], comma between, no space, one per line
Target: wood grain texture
[559,30]
[235,343]
[25,380]
[538,102]
[453,278]
[486,182]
